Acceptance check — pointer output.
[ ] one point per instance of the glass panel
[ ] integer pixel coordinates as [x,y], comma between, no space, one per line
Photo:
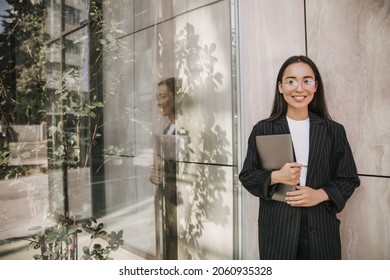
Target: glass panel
[130,202]
[77,64]
[78,112]
[185,6]
[53,18]
[53,73]
[54,116]
[161,166]
[204,64]
[205,211]
[75,12]
[24,206]
[129,195]
[170,174]
[148,13]
[70,127]
[145,13]
[23,144]
[118,17]
[119,107]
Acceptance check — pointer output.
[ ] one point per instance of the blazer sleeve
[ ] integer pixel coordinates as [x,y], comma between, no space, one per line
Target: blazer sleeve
[254,179]
[345,178]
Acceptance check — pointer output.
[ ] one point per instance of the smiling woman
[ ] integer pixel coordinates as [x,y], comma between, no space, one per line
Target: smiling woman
[304,226]
[163,173]
[298,87]
[165,98]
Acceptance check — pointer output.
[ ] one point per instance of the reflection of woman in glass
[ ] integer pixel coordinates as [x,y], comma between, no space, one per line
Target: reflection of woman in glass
[164,166]
[166,102]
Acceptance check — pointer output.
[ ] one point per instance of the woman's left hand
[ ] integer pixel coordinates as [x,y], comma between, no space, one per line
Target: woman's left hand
[306,197]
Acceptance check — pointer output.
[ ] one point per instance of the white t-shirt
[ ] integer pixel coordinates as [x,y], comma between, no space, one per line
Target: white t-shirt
[300,136]
[171,129]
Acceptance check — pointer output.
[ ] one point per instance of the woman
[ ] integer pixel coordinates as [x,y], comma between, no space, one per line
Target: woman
[164,167]
[166,102]
[165,146]
[325,176]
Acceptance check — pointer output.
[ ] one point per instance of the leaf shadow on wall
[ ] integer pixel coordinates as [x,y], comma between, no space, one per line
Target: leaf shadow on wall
[202,172]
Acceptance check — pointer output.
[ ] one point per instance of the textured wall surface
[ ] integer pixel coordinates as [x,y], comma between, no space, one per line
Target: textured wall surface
[349,40]
[266,41]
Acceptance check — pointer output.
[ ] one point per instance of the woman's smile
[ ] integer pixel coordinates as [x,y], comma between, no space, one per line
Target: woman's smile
[298,87]
[299,98]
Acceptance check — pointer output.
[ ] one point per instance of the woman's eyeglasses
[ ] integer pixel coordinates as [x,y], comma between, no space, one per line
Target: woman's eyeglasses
[307,83]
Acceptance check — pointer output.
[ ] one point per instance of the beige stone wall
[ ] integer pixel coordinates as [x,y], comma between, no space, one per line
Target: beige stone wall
[349,40]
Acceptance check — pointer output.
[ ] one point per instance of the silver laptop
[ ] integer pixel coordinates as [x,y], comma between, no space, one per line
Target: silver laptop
[274,151]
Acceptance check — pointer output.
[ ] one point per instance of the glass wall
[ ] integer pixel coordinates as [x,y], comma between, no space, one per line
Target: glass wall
[68,110]
[169,164]
[24,203]
[137,125]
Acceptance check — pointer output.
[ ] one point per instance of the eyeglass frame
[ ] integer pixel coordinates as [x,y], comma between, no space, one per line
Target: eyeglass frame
[303,85]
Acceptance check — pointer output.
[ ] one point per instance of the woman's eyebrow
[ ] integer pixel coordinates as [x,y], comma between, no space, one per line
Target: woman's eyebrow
[294,77]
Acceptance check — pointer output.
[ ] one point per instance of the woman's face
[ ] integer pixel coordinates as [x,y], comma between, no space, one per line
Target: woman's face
[298,87]
[165,101]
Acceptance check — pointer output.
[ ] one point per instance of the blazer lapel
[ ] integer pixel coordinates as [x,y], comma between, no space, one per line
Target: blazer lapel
[316,143]
[280,126]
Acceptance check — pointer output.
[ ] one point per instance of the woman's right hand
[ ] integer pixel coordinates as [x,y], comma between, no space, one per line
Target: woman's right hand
[289,174]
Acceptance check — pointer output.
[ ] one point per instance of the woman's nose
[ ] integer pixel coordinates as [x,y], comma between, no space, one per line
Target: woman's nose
[299,87]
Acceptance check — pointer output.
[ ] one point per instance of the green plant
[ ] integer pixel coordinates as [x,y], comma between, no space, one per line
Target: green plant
[34,90]
[100,252]
[60,242]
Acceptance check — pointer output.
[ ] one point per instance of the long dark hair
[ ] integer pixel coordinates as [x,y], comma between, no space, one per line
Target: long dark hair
[170,83]
[173,85]
[317,105]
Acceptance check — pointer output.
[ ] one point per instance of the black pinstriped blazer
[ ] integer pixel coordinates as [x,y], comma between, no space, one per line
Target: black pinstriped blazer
[331,167]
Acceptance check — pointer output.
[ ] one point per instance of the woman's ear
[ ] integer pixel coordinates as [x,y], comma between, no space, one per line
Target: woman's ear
[280,87]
